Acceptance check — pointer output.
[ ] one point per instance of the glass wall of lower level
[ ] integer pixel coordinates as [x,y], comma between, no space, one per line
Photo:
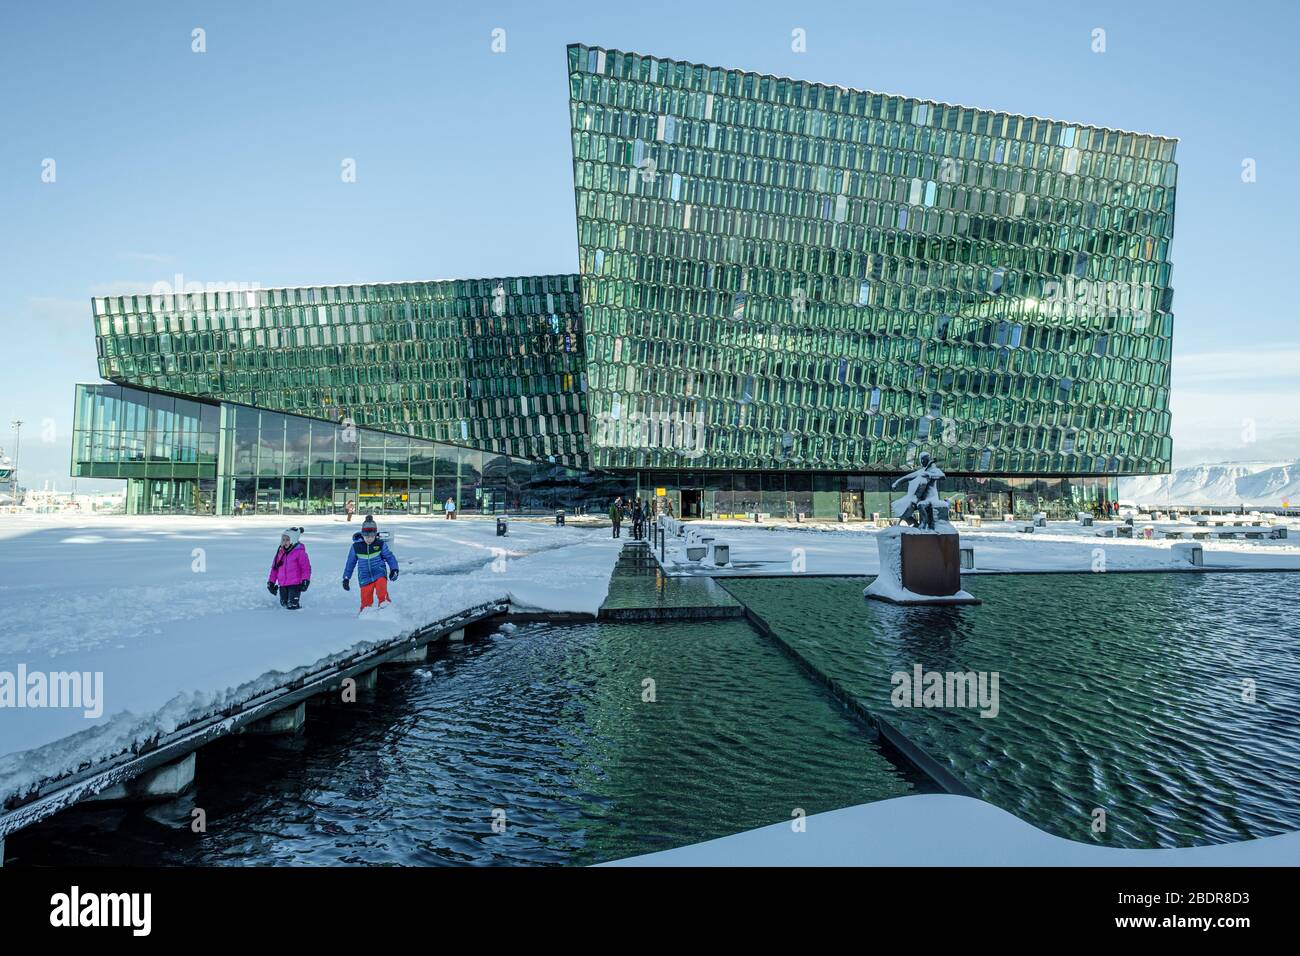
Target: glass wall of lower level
[163,496]
[786,494]
[482,494]
[273,463]
[181,456]
[205,457]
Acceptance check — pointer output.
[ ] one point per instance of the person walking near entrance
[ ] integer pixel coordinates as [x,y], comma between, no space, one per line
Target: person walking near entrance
[616,515]
[350,508]
[638,520]
[449,509]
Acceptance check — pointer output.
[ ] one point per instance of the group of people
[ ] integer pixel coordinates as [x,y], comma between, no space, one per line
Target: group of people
[635,511]
[368,555]
[448,509]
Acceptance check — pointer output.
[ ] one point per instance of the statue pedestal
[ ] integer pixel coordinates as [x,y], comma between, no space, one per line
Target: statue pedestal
[919,566]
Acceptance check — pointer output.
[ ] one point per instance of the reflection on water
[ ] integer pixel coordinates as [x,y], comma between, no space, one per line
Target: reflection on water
[545,724]
[1119,692]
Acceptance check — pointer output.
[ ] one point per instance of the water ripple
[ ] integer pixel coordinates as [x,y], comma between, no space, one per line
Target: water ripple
[1120,692]
[545,723]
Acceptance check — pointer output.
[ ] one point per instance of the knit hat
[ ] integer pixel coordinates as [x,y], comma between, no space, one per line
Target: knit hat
[368,526]
[292,534]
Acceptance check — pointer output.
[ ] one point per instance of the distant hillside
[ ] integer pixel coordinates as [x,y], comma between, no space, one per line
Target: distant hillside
[1255,483]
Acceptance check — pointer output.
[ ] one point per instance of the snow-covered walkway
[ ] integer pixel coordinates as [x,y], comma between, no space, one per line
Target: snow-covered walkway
[783,548]
[174,612]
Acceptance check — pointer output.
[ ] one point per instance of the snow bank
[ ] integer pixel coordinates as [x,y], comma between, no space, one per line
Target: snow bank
[850,549]
[944,830]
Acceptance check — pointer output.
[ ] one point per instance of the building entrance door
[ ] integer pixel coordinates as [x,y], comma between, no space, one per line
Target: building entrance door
[851,503]
[342,495]
[691,501]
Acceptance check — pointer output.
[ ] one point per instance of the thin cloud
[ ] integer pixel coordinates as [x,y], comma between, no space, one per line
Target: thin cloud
[1254,369]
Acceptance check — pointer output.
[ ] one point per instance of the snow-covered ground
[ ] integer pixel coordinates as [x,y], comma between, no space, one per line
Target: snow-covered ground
[783,548]
[939,829]
[174,612]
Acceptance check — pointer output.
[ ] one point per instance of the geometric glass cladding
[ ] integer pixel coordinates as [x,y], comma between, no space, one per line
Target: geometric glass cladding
[785,275]
[783,289]
[494,364]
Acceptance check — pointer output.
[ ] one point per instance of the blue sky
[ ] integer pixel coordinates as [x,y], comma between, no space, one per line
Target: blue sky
[225,166]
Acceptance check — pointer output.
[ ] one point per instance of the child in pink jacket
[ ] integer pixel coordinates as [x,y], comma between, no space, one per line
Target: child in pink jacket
[290,569]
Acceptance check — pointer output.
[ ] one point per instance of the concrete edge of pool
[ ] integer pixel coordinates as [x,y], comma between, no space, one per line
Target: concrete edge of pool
[939,829]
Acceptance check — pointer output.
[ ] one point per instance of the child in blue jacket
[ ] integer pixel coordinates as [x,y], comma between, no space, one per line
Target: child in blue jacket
[374,563]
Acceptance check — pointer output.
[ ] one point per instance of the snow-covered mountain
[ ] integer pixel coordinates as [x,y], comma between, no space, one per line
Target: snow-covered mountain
[1255,483]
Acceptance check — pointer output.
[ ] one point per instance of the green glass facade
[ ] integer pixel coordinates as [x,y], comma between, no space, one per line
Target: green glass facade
[494,364]
[783,275]
[785,292]
[207,457]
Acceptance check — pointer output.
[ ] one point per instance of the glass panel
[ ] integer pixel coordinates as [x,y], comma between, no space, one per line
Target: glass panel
[297,447]
[270,447]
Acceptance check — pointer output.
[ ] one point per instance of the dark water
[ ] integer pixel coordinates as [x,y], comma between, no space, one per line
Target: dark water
[1120,692]
[545,723]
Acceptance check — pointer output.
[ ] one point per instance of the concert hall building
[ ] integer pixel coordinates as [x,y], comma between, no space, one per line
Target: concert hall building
[785,291]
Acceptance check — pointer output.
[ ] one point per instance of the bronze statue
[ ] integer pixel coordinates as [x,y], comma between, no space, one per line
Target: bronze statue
[922,494]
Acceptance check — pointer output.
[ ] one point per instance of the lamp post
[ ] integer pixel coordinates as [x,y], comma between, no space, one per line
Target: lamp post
[16,425]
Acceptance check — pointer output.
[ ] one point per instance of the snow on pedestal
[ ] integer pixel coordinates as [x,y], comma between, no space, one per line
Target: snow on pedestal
[928,555]
[1189,552]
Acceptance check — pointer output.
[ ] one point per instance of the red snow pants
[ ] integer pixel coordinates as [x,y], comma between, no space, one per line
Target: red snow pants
[377,588]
